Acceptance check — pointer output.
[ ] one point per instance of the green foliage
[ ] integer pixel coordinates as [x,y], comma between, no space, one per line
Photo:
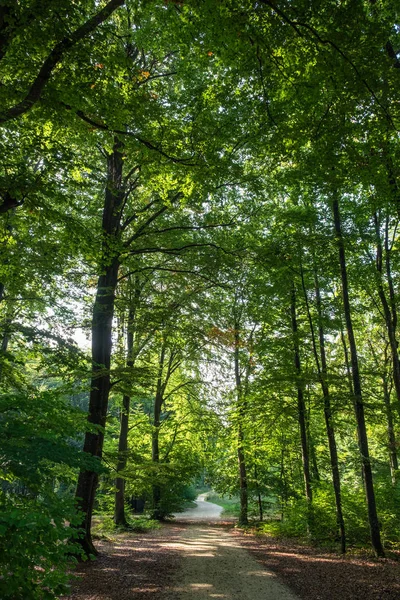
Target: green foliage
[105,528]
[324,529]
[37,543]
[38,519]
[190,492]
[388,499]
[230,504]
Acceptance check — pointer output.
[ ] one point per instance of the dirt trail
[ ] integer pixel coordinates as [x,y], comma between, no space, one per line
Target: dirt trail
[204,511]
[193,559]
[214,565]
[184,561]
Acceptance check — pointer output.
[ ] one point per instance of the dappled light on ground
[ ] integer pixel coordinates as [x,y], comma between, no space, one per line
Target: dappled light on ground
[214,565]
[319,575]
[195,562]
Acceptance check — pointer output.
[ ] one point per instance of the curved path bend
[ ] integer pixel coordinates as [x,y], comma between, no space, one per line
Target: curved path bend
[203,511]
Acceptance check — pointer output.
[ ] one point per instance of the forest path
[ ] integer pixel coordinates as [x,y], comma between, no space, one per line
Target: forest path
[182,561]
[214,565]
[194,561]
[203,511]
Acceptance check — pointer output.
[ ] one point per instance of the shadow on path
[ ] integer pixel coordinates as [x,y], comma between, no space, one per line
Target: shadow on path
[214,565]
[317,575]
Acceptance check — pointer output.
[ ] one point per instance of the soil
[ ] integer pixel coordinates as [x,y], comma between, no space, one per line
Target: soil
[195,559]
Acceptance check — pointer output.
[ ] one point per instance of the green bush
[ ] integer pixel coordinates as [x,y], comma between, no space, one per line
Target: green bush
[189,492]
[39,463]
[388,505]
[230,504]
[36,547]
[104,526]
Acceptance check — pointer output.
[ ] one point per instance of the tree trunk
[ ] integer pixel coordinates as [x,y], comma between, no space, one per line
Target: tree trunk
[322,369]
[155,447]
[103,312]
[282,478]
[388,306]
[4,346]
[358,401]
[394,464]
[259,498]
[119,511]
[301,406]
[244,501]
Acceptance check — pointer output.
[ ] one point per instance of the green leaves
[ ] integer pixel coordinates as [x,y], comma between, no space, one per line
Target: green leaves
[39,460]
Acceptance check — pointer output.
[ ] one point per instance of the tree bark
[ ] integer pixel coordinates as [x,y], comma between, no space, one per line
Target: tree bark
[103,312]
[301,406]
[244,500]
[259,498]
[388,305]
[119,510]
[4,346]
[394,463]
[155,447]
[322,369]
[358,400]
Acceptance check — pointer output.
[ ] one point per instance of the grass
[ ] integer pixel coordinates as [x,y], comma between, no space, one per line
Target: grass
[231,505]
[105,528]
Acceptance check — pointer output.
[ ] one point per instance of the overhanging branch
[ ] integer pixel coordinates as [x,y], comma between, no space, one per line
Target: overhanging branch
[35,91]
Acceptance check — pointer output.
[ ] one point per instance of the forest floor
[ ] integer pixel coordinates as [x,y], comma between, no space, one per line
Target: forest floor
[196,561]
[200,557]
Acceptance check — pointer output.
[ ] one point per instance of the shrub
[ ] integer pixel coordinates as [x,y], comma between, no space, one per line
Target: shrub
[39,462]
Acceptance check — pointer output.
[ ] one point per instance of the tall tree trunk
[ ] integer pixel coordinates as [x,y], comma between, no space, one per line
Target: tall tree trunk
[8,316]
[314,469]
[244,500]
[394,463]
[346,360]
[358,400]
[301,406]
[5,340]
[155,447]
[119,510]
[259,498]
[3,348]
[103,312]
[322,369]
[282,478]
[388,305]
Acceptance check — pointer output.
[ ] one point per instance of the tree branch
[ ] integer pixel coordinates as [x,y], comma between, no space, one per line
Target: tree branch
[181,249]
[150,145]
[298,25]
[47,68]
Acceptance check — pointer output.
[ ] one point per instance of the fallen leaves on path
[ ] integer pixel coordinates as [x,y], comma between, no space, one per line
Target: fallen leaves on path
[143,566]
[134,566]
[317,575]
